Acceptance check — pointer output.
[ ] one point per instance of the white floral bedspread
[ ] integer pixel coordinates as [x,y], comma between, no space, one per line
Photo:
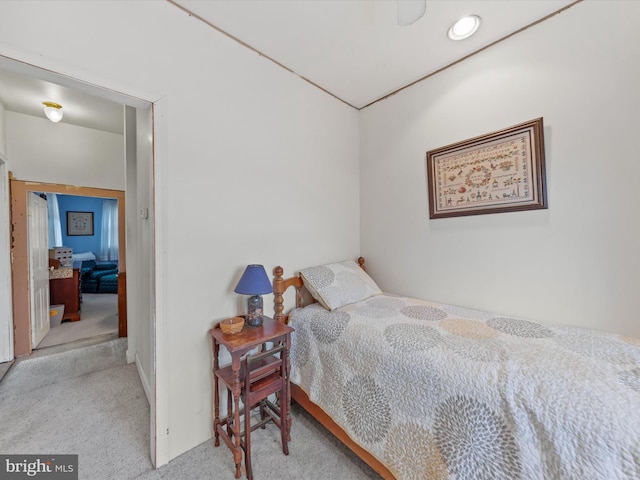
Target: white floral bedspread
[435,391]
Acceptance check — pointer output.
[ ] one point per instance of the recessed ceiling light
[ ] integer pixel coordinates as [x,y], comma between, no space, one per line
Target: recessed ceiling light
[464,28]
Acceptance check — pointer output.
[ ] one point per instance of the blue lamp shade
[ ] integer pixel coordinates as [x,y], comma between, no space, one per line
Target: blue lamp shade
[254,282]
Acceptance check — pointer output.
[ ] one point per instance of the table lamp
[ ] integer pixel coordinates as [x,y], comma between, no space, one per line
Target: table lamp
[254,282]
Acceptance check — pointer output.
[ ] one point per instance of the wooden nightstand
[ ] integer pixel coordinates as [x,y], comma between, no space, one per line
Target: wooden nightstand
[239,345]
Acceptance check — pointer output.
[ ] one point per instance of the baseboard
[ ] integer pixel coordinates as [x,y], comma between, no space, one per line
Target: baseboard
[146,386]
[131,357]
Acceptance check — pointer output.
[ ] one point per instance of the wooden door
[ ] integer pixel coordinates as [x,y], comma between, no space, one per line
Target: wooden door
[37,237]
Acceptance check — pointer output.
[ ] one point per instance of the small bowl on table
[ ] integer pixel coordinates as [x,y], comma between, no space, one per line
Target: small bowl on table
[231,326]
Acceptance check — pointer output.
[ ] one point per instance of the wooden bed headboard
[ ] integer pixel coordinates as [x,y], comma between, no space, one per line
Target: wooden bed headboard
[280,285]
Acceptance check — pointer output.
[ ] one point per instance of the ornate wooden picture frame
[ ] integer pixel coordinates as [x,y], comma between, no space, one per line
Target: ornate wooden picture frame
[79,223]
[503,171]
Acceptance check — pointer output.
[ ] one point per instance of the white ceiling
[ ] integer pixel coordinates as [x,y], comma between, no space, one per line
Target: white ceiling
[24,93]
[353,49]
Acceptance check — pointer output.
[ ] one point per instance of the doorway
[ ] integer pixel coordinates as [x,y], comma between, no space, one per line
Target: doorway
[20,191]
[84,287]
[138,262]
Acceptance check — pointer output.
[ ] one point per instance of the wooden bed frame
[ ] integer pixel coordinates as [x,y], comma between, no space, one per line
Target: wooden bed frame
[280,285]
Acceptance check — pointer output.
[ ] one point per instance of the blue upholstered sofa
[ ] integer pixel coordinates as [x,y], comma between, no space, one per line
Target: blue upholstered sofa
[98,277]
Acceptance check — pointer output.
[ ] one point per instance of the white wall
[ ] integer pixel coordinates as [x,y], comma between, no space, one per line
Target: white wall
[144,296]
[3,132]
[247,158]
[43,151]
[577,262]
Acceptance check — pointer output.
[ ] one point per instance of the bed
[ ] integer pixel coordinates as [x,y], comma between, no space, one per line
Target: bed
[419,389]
[83,256]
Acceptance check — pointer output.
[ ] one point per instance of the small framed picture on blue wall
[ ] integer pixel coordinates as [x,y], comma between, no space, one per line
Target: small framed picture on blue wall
[79,223]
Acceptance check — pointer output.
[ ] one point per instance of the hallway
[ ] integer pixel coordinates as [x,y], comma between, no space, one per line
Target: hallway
[84,401]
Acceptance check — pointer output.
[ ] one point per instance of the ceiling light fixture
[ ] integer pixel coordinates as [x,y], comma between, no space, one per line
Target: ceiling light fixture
[464,28]
[410,11]
[53,111]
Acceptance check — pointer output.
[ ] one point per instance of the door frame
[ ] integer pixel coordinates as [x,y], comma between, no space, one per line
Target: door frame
[20,251]
[6,310]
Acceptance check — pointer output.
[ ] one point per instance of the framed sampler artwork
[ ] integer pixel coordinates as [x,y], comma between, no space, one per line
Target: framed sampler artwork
[79,223]
[503,171]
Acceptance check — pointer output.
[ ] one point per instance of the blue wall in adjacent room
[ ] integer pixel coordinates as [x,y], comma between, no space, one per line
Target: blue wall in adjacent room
[81,243]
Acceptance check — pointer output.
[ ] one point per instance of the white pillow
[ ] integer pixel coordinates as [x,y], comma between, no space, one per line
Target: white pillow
[338,284]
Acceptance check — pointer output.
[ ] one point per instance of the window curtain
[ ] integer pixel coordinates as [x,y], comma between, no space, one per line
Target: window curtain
[53,220]
[109,238]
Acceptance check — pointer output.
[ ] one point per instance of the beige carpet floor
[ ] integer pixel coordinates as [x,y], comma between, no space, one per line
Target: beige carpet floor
[98,316]
[88,401]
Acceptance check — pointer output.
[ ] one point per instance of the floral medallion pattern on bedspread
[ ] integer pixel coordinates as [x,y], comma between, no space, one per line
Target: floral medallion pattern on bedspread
[442,392]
